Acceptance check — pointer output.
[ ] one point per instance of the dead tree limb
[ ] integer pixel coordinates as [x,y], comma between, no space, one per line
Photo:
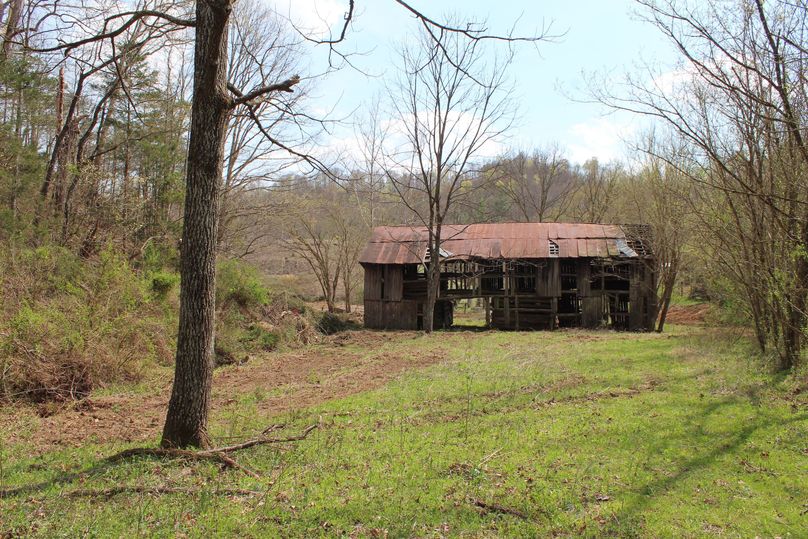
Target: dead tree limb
[217,454]
[259,441]
[497,508]
[157,491]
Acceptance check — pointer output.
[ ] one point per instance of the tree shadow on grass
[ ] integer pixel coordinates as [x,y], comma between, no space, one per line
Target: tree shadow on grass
[60,479]
[685,468]
[66,478]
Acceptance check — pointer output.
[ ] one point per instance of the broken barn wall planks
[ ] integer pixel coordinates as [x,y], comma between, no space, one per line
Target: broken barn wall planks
[395,292]
[584,289]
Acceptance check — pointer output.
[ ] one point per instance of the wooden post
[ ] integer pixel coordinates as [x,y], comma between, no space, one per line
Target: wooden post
[553,312]
[516,299]
[487,302]
[506,282]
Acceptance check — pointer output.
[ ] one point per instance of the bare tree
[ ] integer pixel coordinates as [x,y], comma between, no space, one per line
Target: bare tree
[450,105]
[738,103]
[259,44]
[659,195]
[367,187]
[596,193]
[540,184]
[310,235]
[212,105]
[351,238]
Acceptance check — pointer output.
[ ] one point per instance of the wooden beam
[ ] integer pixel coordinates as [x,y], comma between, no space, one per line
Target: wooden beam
[487,302]
[507,284]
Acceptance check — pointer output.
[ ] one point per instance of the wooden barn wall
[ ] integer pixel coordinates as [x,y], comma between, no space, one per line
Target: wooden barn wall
[373,314]
[384,305]
[373,281]
[591,311]
[636,300]
[393,282]
[391,314]
[584,271]
[401,314]
[548,283]
[649,286]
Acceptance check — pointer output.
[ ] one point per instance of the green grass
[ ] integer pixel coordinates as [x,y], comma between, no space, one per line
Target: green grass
[581,433]
[680,298]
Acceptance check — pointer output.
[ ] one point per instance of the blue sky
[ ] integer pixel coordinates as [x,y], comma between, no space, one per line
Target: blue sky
[603,36]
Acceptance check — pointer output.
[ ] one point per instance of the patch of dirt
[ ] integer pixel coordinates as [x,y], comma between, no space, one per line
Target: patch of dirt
[687,314]
[342,365]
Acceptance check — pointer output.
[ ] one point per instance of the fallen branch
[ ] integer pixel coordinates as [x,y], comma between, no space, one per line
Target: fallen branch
[233,464]
[260,441]
[496,508]
[217,454]
[157,491]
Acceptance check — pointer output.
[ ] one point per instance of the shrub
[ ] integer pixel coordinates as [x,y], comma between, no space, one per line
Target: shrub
[240,283]
[68,325]
[162,282]
[330,323]
[260,338]
[157,257]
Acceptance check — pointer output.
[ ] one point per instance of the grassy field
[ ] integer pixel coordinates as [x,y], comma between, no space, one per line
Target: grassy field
[569,434]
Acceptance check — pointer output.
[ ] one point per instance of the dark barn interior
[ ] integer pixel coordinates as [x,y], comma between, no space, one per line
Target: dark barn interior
[528,275]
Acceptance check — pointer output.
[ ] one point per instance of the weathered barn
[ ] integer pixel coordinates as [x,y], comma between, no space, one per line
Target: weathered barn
[528,275]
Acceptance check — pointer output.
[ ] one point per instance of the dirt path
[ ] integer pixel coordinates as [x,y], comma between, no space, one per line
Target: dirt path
[344,364]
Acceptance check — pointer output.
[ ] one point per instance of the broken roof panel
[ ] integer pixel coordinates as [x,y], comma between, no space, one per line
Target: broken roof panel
[407,244]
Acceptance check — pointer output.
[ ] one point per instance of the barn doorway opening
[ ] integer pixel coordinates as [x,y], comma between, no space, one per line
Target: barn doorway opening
[469,314]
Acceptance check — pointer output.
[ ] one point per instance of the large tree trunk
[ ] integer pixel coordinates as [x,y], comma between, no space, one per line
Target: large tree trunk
[432,287]
[187,417]
[12,26]
[667,293]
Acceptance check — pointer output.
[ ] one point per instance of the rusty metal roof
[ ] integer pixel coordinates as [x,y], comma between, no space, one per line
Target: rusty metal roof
[407,244]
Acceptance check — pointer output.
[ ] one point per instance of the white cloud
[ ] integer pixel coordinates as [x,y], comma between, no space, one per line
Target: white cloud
[317,17]
[670,82]
[603,138]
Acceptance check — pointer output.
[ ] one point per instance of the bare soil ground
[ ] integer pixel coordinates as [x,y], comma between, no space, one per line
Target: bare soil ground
[344,364]
[688,314]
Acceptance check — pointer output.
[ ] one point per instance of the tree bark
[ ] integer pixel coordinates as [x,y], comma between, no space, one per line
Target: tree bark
[187,417]
[667,293]
[12,26]
[432,284]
